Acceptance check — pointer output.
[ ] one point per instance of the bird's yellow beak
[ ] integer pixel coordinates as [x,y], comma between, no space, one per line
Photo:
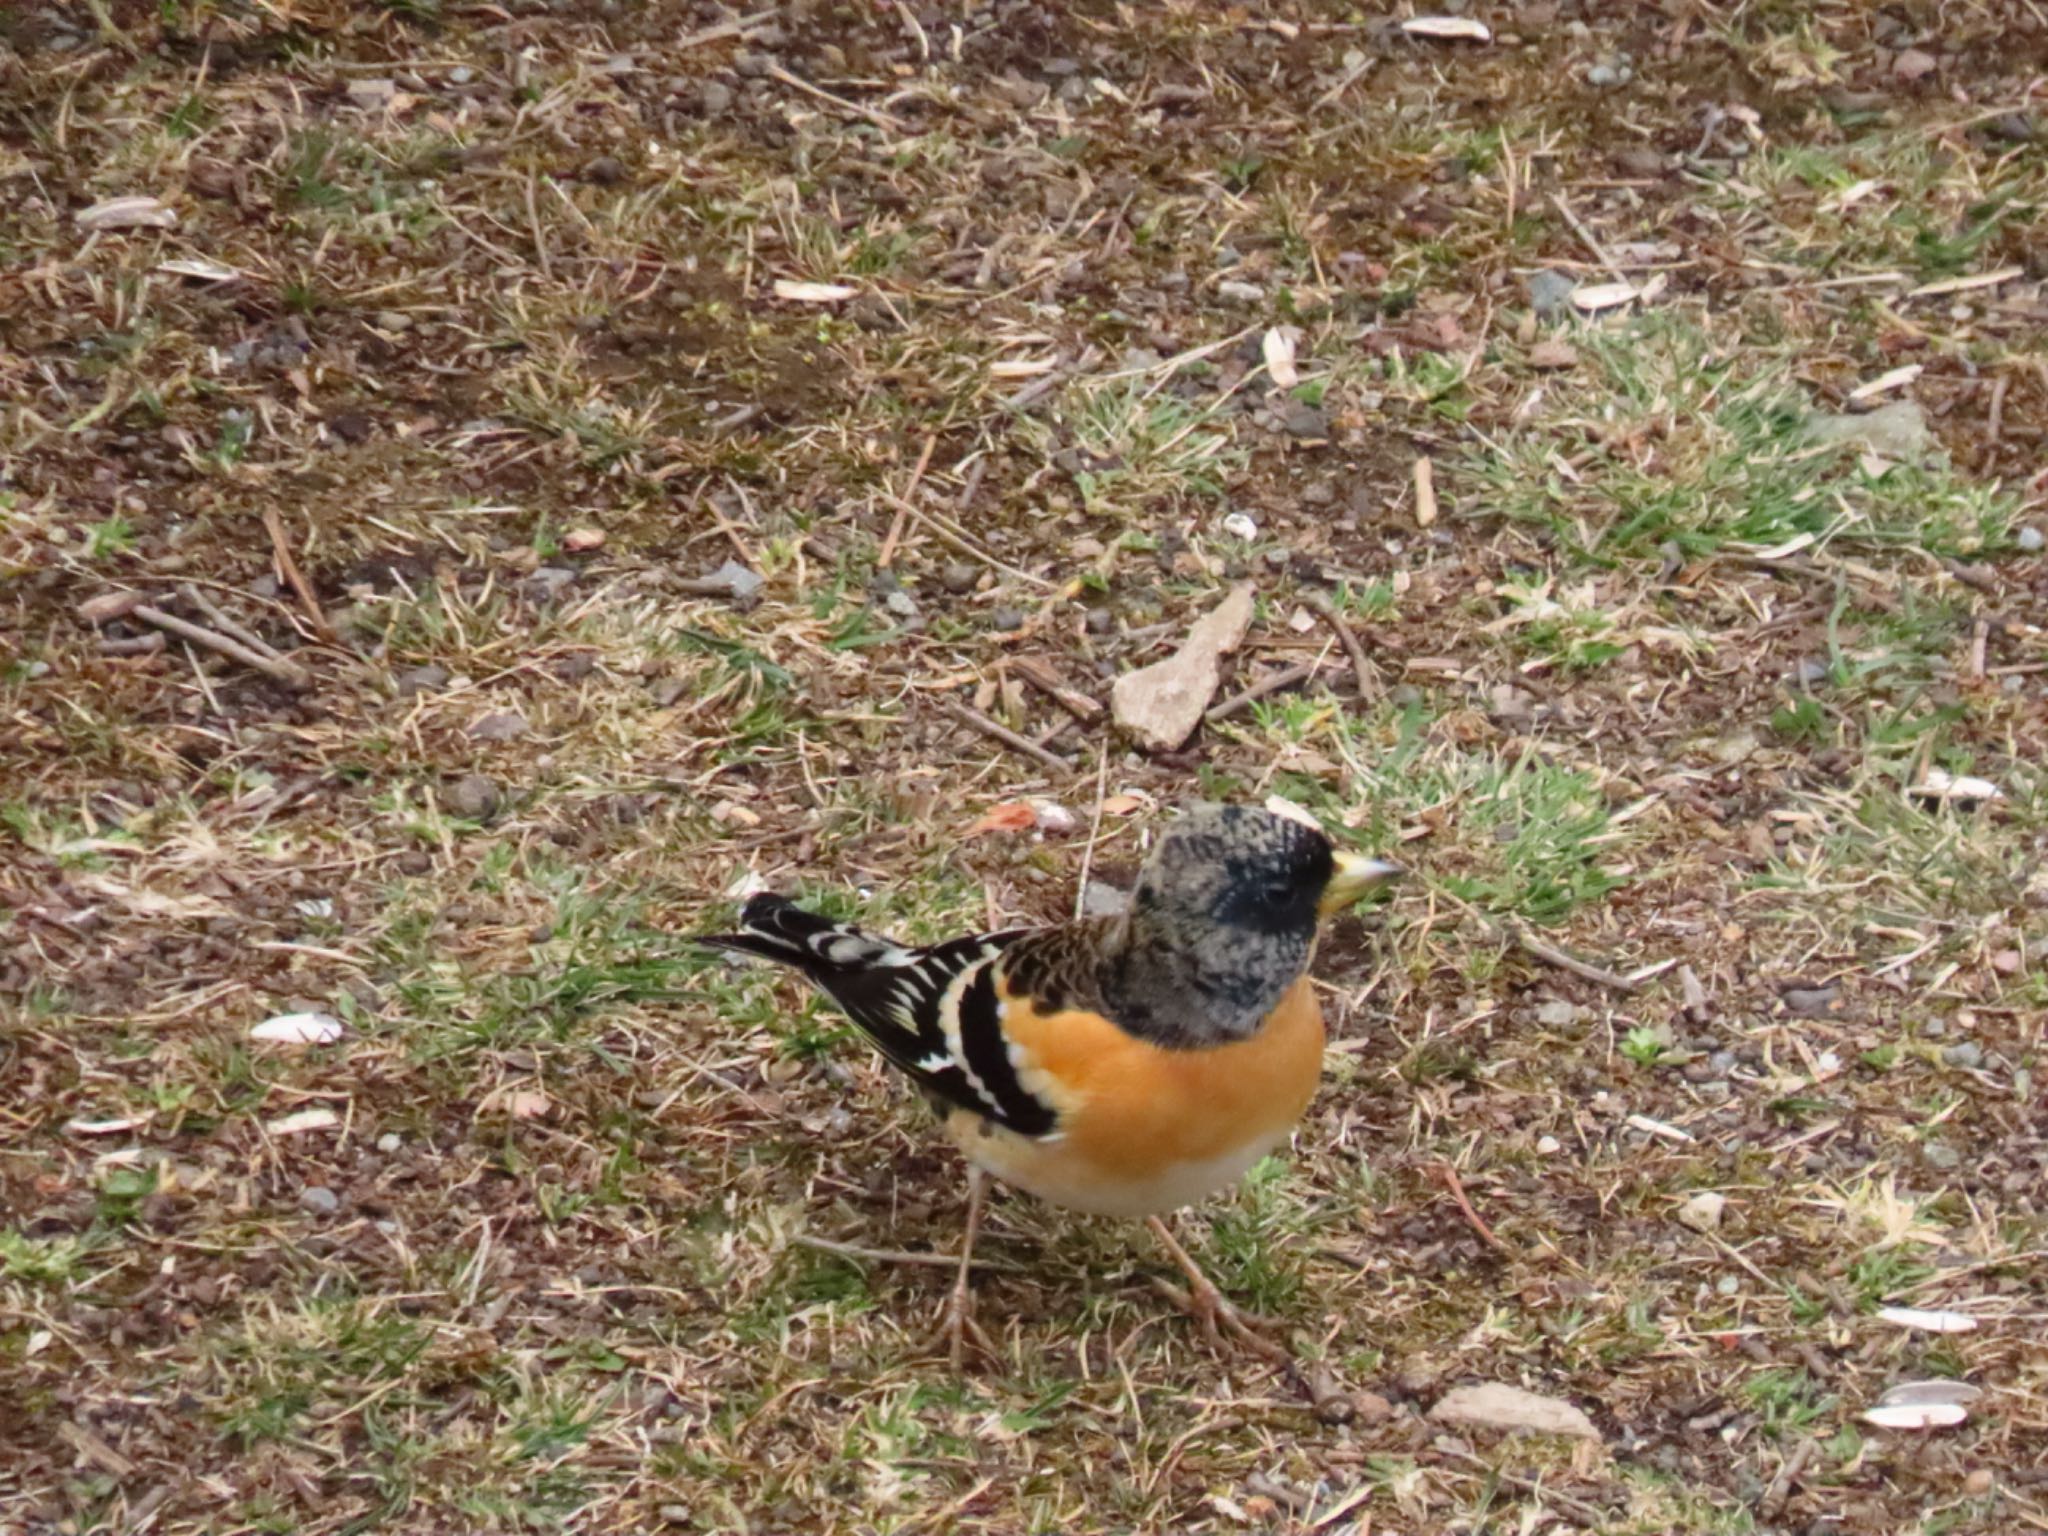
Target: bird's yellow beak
[1355,875]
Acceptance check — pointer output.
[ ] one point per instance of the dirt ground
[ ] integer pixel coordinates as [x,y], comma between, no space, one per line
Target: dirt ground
[509,479]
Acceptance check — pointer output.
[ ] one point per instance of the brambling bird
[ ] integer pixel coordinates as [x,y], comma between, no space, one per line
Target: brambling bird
[1125,1066]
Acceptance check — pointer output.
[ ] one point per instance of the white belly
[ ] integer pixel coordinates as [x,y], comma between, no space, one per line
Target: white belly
[1038,1169]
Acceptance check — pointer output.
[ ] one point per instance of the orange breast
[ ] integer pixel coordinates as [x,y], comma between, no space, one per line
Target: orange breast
[1144,1129]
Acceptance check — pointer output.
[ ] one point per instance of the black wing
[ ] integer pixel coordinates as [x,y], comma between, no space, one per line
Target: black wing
[935,1012]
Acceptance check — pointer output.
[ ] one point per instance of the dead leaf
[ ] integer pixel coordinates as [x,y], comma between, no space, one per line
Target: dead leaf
[1010,816]
[812,293]
[1496,1405]
[527,1104]
[1921,1320]
[111,1127]
[1914,64]
[1425,493]
[1915,1415]
[298,1029]
[1898,378]
[1703,1211]
[1161,705]
[199,267]
[1594,297]
[1121,805]
[1278,348]
[1940,784]
[136,212]
[1553,354]
[301,1121]
[1448,28]
[577,540]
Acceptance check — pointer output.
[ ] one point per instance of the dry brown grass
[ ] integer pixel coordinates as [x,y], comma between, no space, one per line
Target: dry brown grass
[507,369]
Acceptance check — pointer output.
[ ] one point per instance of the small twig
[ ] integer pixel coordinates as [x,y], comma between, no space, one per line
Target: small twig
[879,119]
[1781,1485]
[222,622]
[281,553]
[888,553]
[954,539]
[134,645]
[892,1255]
[1040,675]
[1591,1514]
[1448,1176]
[1550,955]
[270,666]
[540,239]
[1599,251]
[1094,836]
[1994,420]
[996,731]
[1980,637]
[1271,683]
[1367,674]
[737,27]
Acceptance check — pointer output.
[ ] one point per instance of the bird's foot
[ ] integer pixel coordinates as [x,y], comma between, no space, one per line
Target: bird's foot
[1217,1315]
[957,1329]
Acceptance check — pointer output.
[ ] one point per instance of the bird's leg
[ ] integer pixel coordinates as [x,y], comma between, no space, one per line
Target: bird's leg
[959,1320]
[1209,1306]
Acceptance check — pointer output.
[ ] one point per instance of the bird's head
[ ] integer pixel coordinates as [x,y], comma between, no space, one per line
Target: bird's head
[1246,870]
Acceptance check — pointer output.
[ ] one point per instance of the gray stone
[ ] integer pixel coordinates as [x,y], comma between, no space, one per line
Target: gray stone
[1550,292]
[1099,900]
[472,797]
[1304,421]
[547,582]
[1898,430]
[2030,539]
[715,97]
[1940,1154]
[319,1200]
[502,725]
[960,576]
[389,1142]
[425,679]
[1240,292]
[1966,1054]
[1008,619]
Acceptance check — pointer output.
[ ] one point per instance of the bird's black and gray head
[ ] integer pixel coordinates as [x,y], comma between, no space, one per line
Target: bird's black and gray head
[1224,920]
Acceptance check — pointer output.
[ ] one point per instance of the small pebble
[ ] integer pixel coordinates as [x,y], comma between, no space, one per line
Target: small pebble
[1602,75]
[1100,621]
[2031,539]
[389,1142]
[1304,421]
[1548,1146]
[319,1199]
[422,680]
[1968,1055]
[715,98]
[1240,292]
[1940,1154]
[471,797]
[1550,292]
[960,576]
[1007,619]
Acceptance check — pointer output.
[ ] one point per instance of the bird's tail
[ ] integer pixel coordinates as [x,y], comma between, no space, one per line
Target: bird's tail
[776,928]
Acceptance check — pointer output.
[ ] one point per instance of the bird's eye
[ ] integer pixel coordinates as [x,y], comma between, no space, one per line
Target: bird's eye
[1278,894]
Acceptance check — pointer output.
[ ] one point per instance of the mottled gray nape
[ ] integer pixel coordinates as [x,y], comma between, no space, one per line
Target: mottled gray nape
[1222,922]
